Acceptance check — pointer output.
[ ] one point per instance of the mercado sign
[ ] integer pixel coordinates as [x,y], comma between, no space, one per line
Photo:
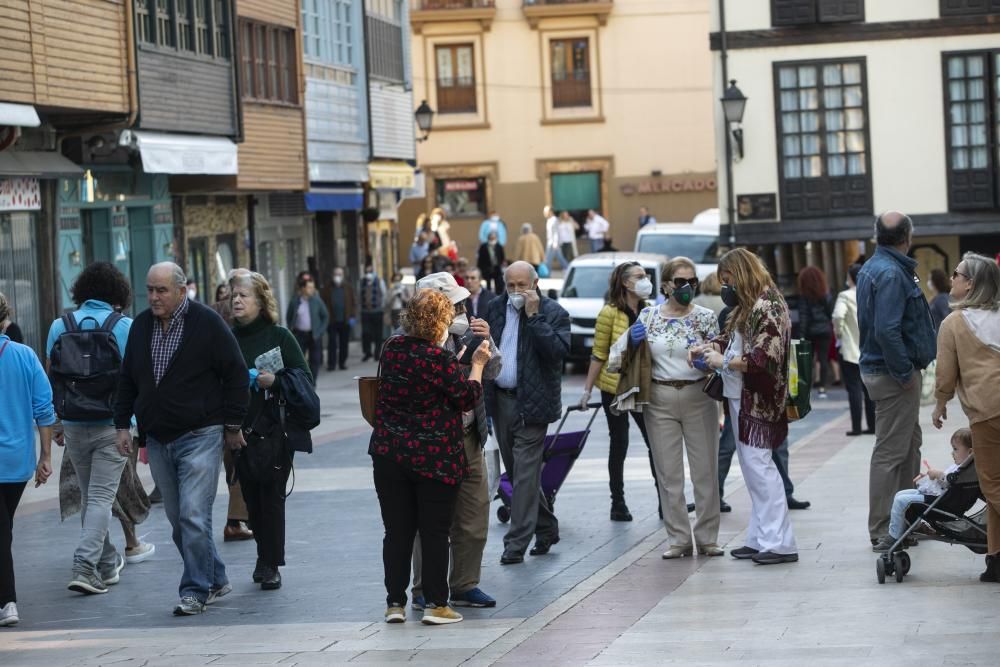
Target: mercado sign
[670,185]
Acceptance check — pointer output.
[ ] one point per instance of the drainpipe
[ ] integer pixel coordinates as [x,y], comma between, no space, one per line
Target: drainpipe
[724,58]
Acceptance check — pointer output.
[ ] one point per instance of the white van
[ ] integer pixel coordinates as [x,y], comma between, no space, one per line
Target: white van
[585,287]
[697,240]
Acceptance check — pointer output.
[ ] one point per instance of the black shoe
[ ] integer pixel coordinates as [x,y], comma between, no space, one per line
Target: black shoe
[991,575]
[690,507]
[258,572]
[542,547]
[743,553]
[724,506]
[794,504]
[271,581]
[771,558]
[511,558]
[853,433]
[619,512]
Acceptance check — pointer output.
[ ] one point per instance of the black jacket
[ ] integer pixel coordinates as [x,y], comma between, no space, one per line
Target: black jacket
[542,345]
[485,266]
[486,297]
[206,383]
[815,317]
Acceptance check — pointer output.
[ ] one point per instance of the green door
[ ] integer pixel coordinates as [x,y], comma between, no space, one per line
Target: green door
[140,225]
[97,231]
[576,192]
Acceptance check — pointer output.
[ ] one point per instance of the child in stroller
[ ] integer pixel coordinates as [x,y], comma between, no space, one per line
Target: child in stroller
[931,484]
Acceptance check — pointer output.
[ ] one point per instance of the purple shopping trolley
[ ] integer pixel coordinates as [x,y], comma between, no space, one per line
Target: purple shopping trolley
[559,453]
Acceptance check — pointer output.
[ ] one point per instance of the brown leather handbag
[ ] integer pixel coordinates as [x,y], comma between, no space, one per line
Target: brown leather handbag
[368,387]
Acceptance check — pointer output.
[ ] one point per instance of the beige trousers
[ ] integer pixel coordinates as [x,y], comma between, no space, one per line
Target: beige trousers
[678,420]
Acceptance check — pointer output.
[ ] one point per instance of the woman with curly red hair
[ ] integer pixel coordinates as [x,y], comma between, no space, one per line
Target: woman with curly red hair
[418,450]
[816,319]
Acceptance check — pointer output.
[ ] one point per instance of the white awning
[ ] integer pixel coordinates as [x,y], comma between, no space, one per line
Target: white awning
[186,154]
[18,115]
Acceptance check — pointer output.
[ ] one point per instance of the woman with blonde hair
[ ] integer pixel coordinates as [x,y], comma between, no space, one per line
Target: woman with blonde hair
[968,362]
[751,355]
[255,325]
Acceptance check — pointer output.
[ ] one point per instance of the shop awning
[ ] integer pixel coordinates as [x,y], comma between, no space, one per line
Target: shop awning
[391,176]
[18,115]
[335,199]
[186,154]
[42,164]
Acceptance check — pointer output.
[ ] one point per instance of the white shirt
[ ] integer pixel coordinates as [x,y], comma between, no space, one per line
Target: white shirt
[567,231]
[669,339]
[552,239]
[732,380]
[597,227]
[303,318]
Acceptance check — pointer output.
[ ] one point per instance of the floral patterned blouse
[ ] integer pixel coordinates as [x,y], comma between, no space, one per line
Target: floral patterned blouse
[418,413]
[669,339]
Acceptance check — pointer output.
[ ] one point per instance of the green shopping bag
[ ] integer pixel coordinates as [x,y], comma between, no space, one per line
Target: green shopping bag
[800,376]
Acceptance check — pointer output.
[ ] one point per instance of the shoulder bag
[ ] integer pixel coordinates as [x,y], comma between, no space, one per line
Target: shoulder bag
[368,387]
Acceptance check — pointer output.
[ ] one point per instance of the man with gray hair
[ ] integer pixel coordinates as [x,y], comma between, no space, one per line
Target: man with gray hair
[897,342]
[524,399]
[184,379]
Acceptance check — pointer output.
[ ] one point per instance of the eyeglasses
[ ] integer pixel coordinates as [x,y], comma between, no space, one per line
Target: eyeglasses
[681,282]
[956,273]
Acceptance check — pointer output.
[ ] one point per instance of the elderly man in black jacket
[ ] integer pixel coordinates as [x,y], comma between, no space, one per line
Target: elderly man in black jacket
[524,399]
[184,379]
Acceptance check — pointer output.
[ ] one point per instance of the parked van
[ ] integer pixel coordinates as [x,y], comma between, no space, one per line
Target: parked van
[586,286]
[698,240]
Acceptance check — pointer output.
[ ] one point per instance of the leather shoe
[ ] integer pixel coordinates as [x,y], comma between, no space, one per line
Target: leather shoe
[271,580]
[724,506]
[237,533]
[541,547]
[511,558]
[851,434]
[743,553]
[619,512]
[771,558]
[794,504]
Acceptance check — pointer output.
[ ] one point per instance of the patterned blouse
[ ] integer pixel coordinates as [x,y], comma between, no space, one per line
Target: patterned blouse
[418,414]
[670,338]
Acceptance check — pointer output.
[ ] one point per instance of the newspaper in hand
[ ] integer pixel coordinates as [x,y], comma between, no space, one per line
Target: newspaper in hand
[270,361]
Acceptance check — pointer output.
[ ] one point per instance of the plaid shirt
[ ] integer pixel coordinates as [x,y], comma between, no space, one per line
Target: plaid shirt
[165,344]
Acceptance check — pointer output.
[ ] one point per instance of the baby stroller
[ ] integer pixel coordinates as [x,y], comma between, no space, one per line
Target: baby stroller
[560,452]
[945,517]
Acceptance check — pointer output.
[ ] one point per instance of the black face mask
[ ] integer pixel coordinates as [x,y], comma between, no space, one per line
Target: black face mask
[729,296]
[683,295]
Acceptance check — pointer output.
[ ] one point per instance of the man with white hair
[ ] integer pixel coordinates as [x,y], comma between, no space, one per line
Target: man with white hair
[184,379]
[524,399]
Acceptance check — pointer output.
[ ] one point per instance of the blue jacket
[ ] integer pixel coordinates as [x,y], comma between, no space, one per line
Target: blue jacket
[897,336]
[542,345]
[26,401]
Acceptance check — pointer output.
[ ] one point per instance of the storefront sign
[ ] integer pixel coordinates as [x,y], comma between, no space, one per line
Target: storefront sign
[390,176]
[460,186]
[669,186]
[20,194]
[757,207]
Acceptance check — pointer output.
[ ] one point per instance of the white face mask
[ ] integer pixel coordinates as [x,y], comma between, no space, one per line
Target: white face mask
[459,325]
[370,275]
[643,288]
[338,280]
[192,293]
[516,300]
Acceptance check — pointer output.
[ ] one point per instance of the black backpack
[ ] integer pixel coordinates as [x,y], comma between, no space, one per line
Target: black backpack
[83,370]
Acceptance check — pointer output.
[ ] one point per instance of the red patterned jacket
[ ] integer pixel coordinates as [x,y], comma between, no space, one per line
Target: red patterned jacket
[418,415]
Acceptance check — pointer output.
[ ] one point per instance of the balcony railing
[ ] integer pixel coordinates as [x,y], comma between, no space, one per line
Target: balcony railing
[536,10]
[436,11]
[535,3]
[433,5]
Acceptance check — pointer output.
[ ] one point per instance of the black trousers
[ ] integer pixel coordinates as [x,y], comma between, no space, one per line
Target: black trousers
[339,336]
[618,431]
[10,496]
[857,396]
[266,509]
[312,350]
[371,333]
[410,503]
[821,353]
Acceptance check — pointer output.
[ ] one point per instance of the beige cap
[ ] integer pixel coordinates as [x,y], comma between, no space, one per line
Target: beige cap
[445,282]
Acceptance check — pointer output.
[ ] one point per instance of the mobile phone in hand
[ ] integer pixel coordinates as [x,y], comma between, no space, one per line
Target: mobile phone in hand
[472,344]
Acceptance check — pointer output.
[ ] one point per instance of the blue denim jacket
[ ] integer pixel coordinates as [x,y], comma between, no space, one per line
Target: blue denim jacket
[897,336]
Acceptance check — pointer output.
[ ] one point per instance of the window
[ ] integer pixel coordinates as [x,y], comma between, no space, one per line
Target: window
[385,40]
[164,24]
[822,138]
[570,66]
[806,12]
[969,7]
[267,55]
[192,26]
[456,79]
[201,20]
[220,28]
[326,32]
[462,196]
[183,24]
[972,99]
[142,21]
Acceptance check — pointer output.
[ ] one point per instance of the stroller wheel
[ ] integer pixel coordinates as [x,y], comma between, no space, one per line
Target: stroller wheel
[503,514]
[899,566]
[880,570]
[905,558]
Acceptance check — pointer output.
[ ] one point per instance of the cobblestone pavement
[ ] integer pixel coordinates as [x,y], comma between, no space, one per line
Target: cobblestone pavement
[603,596]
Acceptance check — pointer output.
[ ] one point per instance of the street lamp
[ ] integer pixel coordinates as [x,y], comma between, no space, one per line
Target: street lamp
[733,104]
[425,119]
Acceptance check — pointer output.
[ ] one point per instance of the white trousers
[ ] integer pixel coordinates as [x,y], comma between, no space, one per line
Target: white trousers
[770,528]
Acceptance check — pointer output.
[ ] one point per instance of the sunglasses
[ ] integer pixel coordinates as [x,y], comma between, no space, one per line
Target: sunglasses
[956,273]
[681,282]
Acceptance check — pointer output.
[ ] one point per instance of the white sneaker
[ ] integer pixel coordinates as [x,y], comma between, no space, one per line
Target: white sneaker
[8,615]
[140,553]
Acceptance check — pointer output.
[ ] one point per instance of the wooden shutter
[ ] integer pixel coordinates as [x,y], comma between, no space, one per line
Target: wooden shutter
[793,12]
[969,7]
[971,182]
[839,11]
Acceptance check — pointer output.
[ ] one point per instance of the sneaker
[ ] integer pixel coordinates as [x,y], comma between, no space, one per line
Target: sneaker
[216,593]
[189,606]
[434,615]
[8,615]
[88,584]
[142,552]
[110,577]
[884,544]
[418,603]
[472,598]
[771,558]
[677,551]
[743,553]
[395,614]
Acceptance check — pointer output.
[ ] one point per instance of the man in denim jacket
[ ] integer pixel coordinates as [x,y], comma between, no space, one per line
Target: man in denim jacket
[897,342]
